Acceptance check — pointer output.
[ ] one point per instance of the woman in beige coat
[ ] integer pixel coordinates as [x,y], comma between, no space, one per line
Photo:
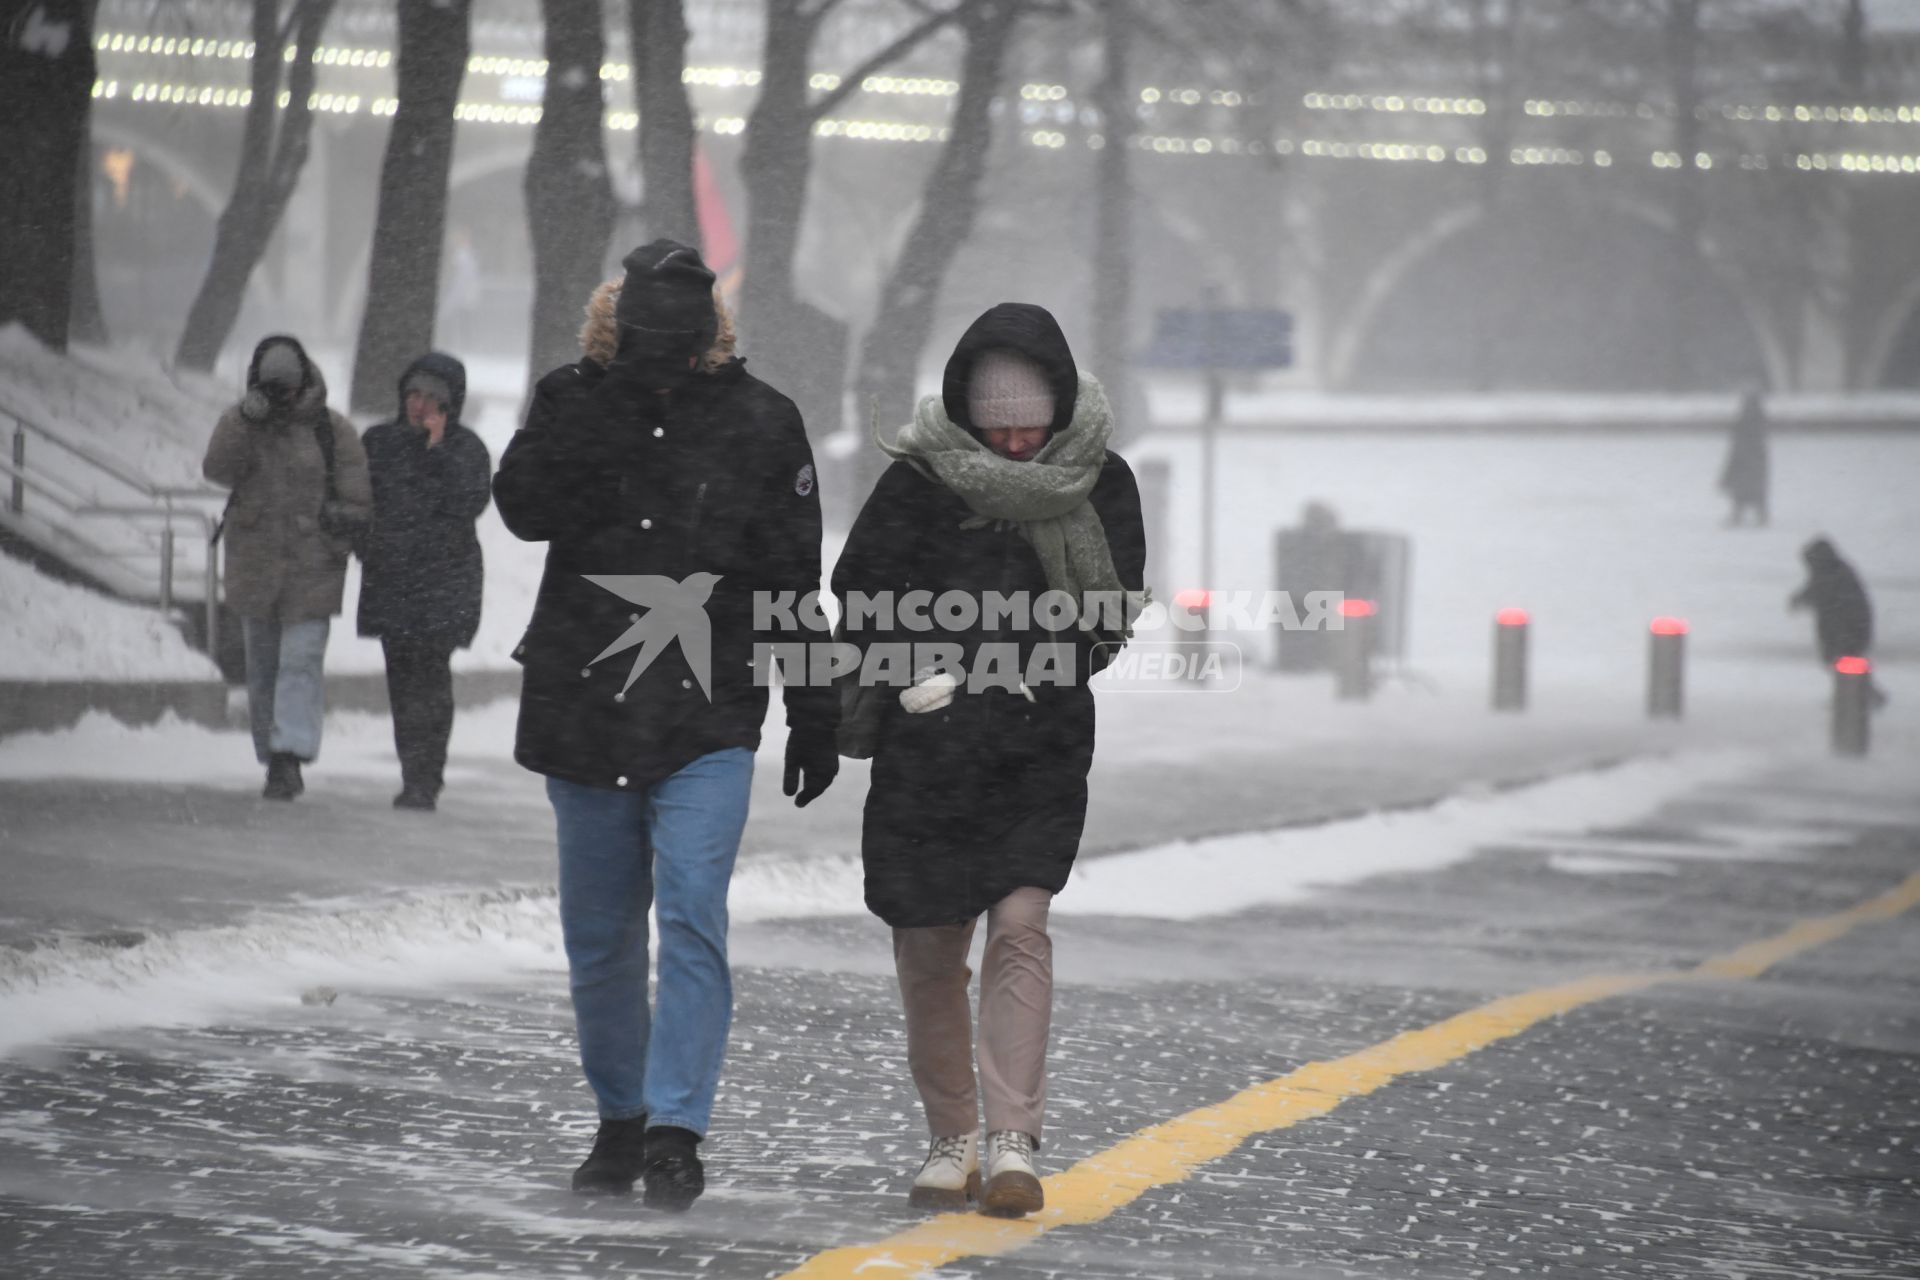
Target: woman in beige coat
[300,495]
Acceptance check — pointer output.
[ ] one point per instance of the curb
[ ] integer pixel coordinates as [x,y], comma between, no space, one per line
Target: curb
[42,706]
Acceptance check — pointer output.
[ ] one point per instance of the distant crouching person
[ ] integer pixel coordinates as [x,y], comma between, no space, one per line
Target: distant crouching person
[300,497]
[421,582]
[1842,613]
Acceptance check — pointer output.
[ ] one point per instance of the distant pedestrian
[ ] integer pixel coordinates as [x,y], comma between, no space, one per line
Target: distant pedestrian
[1842,613]
[1744,476]
[670,486]
[421,580]
[300,501]
[1003,484]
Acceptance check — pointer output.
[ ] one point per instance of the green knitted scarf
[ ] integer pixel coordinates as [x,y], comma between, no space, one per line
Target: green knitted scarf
[1046,497]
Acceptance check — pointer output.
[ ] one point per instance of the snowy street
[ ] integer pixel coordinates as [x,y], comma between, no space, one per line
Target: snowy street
[332,1037]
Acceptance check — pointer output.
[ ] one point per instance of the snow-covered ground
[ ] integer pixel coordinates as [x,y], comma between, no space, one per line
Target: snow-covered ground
[278,958]
[52,630]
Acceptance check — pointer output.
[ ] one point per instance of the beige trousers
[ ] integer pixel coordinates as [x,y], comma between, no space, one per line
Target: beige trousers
[1016,1010]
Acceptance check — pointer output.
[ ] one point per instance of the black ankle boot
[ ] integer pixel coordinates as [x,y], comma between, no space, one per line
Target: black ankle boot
[674,1178]
[283,777]
[614,1163]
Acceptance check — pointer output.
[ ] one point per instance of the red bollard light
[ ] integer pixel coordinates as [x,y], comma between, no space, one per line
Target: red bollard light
[1852,706]
[1354,661]
[1510,628]
[1196,603]
[1666,668]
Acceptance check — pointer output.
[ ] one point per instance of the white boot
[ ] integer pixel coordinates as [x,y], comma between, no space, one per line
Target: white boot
[1013,1185]
[950,1178]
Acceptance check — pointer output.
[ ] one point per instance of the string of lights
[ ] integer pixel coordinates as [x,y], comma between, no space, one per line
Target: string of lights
[716,77]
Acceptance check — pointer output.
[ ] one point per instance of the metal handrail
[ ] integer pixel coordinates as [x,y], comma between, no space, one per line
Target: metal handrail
[165,510]
[111,468]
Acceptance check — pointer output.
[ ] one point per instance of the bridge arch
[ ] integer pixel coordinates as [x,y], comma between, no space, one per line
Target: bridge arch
[1454,227]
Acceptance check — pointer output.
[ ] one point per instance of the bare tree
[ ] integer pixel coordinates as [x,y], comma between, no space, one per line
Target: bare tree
[950,201]
[659,32]
[46,87]
[403,271]
[801,348]
[1683,72]
[1113,209]
[269,169]
[569,195]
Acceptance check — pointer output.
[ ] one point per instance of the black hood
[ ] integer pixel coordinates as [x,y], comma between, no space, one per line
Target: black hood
[1819,554]
[1015,326]
[444,367]
[279,340]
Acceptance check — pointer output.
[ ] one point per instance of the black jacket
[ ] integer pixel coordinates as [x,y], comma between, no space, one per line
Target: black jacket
[989,794]
[1842,614]
[714,479]
[422,572]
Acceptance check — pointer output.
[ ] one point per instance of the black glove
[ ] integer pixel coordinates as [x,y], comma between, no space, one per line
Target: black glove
[814,753]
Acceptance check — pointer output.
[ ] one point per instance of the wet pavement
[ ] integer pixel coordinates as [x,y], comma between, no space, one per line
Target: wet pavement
[1707,1127]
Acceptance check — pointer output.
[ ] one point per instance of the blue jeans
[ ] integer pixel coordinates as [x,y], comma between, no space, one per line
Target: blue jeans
[672,847]
[286,685]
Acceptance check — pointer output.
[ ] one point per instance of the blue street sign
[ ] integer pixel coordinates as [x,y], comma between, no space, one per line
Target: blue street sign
[1189,338]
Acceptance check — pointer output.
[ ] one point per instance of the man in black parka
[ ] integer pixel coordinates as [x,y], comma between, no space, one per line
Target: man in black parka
[422,572]
[670,486]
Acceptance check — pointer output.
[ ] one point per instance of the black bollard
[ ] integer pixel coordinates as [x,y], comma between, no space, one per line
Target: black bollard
[1852,706]
[1510,659]
[1353,653]
[1666,668]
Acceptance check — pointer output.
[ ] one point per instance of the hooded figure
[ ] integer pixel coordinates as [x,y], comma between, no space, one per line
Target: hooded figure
[1003,485]
[299,479]
[1842,614]
[422,572]
[1744,476]
[672,489]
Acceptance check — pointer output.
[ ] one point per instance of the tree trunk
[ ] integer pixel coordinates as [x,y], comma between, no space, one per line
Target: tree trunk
[568,192]
[774,167]
[269,171]
[666,119]
[800,348]
[1113,218]
[890,356]
[88,322]
[46,93]
[403,272]
[1683,60]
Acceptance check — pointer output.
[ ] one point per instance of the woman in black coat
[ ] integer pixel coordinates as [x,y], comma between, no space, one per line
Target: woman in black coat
[1003,489]
[421,568]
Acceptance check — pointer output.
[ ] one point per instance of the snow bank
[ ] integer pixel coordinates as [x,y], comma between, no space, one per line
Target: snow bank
[53,630]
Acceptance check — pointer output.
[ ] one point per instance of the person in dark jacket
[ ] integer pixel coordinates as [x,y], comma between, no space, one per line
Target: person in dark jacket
[300,491]
[1842,613]
[1744,476]
[1002,484]
[670,486]
[421,571]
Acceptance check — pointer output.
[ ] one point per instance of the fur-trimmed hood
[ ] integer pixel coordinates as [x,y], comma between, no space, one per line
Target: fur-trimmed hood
[600,335]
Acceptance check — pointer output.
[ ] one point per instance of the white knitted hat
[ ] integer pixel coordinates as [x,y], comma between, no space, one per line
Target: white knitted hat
[1007,389]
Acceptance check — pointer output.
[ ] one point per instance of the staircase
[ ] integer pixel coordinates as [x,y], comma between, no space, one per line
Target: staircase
[84,518]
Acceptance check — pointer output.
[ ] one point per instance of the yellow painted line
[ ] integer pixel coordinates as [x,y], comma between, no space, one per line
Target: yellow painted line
[1172,1151]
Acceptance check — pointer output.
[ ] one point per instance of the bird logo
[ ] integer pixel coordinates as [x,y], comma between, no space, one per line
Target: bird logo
[675,611]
